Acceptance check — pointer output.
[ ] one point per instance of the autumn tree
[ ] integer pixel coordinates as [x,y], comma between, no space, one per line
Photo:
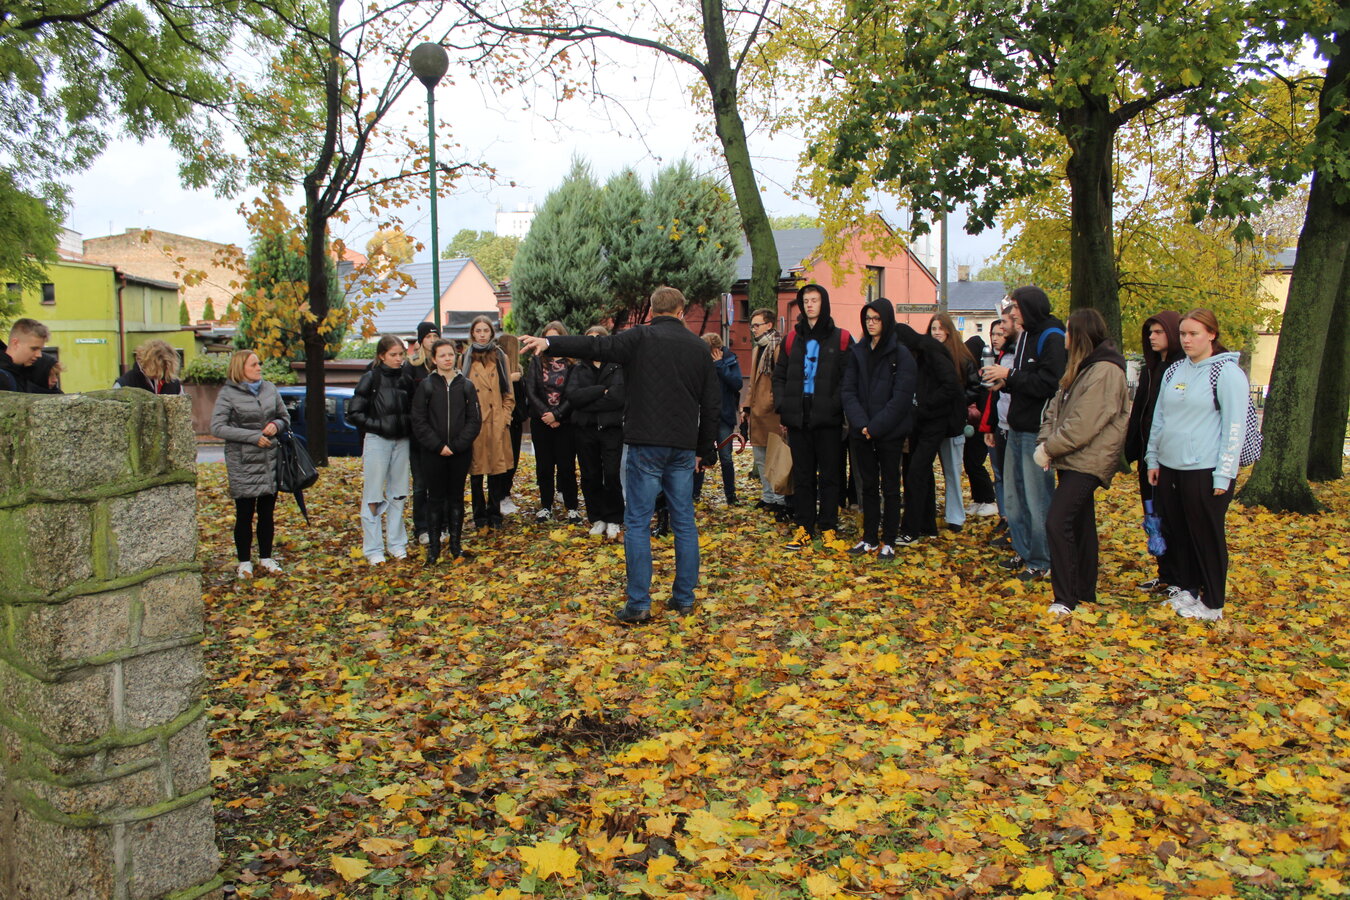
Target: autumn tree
[969,102]
[318,124]
[720,43]
[75,72]
[275,292]
[494,253]
[1308,386]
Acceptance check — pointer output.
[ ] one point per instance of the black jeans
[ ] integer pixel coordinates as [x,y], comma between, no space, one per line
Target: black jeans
[981,486]
[876,466]
[419,491]
[488,510]
[555,454]
[1071,532]
[920,515]
[244,508]
[444,477]
[1193,526]
[599,451]
[1148,492]
[816,456]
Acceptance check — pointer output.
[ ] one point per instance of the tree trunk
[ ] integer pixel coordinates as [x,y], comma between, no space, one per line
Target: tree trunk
[1326,449]
[1280,480]
[1093,283]
[720,76]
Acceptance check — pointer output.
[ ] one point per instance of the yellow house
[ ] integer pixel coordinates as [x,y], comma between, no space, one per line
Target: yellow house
[1275,287]
[98,315]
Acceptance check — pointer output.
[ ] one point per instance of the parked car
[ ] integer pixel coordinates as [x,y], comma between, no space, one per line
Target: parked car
[343,438]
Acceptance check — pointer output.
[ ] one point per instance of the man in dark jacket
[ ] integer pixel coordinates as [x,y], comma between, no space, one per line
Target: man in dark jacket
[1033,378]
[19,355]
[1162,347]
[806,382]
[728,369]
[670,425]
[878,396]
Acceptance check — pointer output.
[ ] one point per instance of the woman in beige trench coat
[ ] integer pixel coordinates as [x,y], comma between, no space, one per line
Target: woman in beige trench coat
[485,365]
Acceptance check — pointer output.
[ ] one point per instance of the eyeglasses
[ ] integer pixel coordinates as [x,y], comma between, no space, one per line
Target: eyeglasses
[872,319]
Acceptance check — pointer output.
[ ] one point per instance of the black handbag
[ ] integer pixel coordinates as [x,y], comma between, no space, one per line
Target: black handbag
[295,470]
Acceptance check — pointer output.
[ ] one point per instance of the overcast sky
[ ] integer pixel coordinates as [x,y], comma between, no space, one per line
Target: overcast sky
[529,140]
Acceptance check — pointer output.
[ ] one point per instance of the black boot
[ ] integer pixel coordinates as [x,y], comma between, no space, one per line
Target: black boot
[457,534]
[662,523]
[433,539]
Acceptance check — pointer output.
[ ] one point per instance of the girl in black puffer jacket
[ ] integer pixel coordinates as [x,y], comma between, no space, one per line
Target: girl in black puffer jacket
[381,407]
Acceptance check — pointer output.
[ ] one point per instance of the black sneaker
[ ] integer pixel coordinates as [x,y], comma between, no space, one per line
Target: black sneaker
[886,553]
[905,540]
[952,526]
[629,617]
[1013,564]
[680,610]
[862,548]
[1030,574]
[543,515]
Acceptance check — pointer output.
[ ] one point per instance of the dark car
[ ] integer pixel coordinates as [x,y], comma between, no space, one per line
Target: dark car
[343,438]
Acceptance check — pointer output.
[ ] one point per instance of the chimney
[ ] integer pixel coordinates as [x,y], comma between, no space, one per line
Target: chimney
[963,273]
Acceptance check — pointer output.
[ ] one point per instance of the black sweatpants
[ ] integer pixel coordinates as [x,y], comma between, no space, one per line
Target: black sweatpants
[1193,526]
[876,466]
[1071,532]
[555,457]
[981,485]
[244,508]
[920,515]
[816,457]
[599,451]
[488,510]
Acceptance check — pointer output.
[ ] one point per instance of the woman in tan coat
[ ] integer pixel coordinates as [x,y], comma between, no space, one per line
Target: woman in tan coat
[1082,436]
[485,365]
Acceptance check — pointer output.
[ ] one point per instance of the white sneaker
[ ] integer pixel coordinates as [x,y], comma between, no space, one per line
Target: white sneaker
[1202,612]
[543,515]
[574,517]
[598,528]
[245,570]
[1181,600]
[399,554]
[270,565]
[612,530]
[986,509]
[424,539]
[376,560]
[508,506]
[971,507]
[1059,609]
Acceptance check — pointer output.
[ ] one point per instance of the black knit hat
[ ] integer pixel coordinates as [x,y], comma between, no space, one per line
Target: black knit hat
[426,328]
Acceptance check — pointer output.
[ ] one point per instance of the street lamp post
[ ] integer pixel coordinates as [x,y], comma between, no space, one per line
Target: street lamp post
[429,62]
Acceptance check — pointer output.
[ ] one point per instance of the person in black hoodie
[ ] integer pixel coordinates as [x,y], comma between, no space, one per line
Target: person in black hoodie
[878,397]
[595,399]
[939,408]
[806,383]
[418,366]
[1033,378]
[381,407]
[1162,347]
[555,451]
[445,422]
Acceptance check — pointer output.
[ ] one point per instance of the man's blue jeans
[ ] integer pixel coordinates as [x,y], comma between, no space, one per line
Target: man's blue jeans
[1027,490]
[648,472]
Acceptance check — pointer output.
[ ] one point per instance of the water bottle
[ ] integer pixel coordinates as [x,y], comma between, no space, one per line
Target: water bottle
[985,361]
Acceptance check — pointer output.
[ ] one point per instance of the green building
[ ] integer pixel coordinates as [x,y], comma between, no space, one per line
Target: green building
[98,316]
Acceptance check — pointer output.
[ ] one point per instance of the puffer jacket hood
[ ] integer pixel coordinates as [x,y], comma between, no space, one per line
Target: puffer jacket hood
[882,307]
[824,324]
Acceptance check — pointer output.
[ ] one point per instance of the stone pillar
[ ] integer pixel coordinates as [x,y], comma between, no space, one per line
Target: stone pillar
[105,788]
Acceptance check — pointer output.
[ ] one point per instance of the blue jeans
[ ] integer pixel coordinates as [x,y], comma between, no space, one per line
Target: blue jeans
[384,489]
[650,471]
[1027,490]
[766,493]
[952,452]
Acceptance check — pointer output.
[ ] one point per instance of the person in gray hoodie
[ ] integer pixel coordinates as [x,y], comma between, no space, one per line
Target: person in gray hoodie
[1193,449]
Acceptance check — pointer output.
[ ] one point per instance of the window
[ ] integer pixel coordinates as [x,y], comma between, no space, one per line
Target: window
[48,294]
[13,287]
[744,314]
[330,408]
[979,328]
[876,282]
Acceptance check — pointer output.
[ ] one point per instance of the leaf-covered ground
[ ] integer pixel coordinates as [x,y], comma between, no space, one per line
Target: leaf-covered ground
[821,727]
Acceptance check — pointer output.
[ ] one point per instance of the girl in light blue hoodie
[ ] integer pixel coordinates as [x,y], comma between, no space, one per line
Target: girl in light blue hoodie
[1192,458]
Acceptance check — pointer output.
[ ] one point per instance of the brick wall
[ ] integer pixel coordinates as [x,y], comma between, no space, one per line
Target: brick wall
[157,258]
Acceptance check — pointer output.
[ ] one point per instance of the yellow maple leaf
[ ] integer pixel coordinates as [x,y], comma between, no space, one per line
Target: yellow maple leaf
[660,867]
[422,845]
[1033,878]
[760,810]
[706,826]
[822,885]
[382,846]
[349,867]
[548,858]
[886,662]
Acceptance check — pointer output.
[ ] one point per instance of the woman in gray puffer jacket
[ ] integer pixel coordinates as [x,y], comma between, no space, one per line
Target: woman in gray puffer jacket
[248,414]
